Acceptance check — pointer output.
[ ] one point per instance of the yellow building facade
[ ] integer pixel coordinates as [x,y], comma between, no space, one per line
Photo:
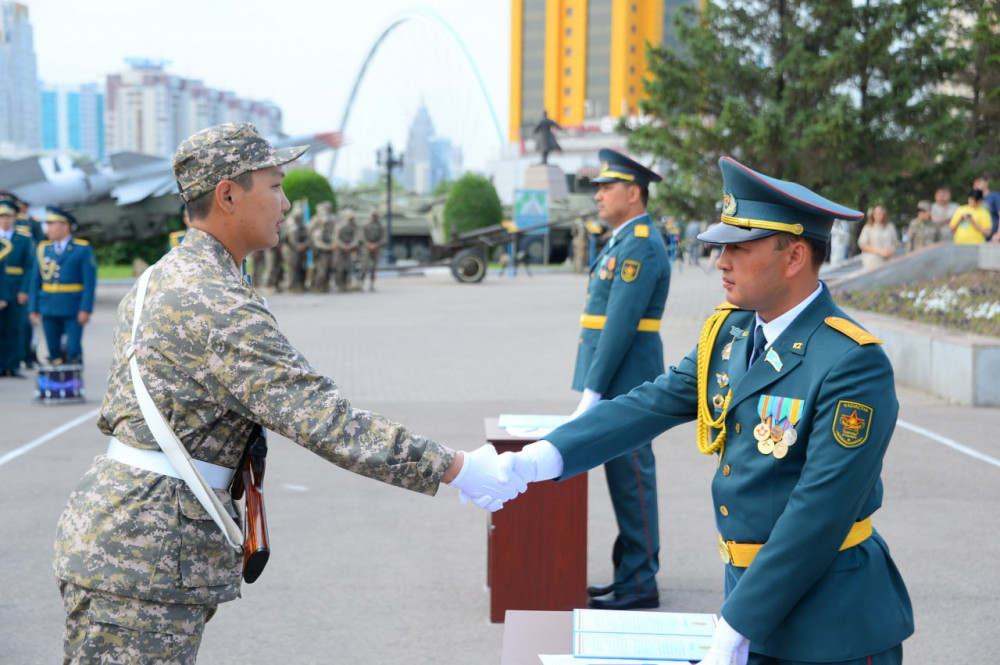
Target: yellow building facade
[581,59]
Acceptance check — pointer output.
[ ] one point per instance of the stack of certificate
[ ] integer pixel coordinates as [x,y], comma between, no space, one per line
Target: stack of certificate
[602,635]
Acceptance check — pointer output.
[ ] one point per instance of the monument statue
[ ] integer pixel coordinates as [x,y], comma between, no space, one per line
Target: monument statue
[545,140]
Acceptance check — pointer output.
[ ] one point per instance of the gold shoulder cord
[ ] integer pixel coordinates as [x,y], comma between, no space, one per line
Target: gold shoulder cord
[706,342]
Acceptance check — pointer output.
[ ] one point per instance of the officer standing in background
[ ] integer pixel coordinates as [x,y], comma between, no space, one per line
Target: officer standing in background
[19,250]
[619,349]
[28,226]
[62,287]
[373,235]
[140,563]
[799,404]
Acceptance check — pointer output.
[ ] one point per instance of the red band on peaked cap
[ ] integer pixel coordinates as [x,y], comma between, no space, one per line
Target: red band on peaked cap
[807,199]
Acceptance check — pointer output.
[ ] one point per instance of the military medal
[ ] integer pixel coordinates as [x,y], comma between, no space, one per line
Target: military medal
[776,431]
[727,350]
[718,401]
[722,379]
[603,274]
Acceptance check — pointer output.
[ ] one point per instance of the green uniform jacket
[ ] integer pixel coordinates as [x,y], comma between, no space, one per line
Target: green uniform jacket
[214,362]
[629,281]
[800,599]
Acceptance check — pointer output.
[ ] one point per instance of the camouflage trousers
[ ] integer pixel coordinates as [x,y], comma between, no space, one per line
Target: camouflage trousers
[103,628]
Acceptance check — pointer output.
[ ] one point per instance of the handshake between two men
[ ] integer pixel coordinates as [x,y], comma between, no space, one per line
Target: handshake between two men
[488,479]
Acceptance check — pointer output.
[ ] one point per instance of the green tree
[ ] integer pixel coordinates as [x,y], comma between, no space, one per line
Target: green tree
[306,183]
[472,204]
[977,21]
[844,97]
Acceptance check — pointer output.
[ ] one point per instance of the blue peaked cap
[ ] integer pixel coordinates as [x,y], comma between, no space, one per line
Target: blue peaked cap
[616,166]
[8,208]
[755,206]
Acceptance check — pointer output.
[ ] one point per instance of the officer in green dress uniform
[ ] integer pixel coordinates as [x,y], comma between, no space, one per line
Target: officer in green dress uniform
[18,252]
[620,348]
[30,227]
[798,404]
[62,287]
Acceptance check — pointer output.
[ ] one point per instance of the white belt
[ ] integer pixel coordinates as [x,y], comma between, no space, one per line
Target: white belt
[219,477]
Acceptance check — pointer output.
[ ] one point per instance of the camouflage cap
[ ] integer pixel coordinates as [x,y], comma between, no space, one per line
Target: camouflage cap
[222,152]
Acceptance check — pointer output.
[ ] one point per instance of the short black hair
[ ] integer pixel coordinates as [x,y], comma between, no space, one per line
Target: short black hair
[200,207]
[817,248]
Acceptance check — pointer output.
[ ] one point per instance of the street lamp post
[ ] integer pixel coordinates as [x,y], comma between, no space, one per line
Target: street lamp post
[390,163]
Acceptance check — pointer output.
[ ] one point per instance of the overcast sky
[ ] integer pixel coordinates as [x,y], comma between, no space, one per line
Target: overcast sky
[303,56]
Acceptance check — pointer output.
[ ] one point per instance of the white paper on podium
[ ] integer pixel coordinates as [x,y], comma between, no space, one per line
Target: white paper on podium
[530,425]
[601,635]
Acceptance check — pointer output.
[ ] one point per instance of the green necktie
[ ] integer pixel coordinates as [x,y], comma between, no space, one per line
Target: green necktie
[759,343]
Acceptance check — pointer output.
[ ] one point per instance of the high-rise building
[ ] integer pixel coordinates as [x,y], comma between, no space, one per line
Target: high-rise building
[582,59]
[19,99]
[150,111]
[429,158]
[73,119]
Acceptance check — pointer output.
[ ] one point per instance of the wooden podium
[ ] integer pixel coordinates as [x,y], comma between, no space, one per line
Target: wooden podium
[537,550]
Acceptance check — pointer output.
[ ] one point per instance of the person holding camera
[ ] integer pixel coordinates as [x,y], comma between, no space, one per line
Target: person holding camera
[971,223]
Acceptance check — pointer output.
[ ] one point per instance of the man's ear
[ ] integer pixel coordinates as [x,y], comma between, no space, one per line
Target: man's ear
[224,195]
[799,257]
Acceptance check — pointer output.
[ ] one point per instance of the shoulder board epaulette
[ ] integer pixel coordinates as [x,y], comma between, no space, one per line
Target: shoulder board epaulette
[642,230]
[852,330]
[726,305]
[23,231]
[80,241]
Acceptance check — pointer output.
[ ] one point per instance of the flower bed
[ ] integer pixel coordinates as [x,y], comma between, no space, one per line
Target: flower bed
[967,302]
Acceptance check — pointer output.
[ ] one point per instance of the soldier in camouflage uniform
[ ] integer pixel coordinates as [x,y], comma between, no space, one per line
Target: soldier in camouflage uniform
[348,239]
[373,234]
[922,231]
[321,230]
[295,250]
[140,564]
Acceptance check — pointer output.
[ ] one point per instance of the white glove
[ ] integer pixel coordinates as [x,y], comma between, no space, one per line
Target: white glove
[589,399]
[727,646]
[478,479]
[536,461]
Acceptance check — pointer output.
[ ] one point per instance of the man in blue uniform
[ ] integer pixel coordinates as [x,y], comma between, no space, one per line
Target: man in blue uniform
[62,287]
[31,227]
[19,251]
[619,349]
[799,404]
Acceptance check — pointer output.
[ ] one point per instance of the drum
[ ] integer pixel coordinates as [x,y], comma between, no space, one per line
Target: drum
[60,384]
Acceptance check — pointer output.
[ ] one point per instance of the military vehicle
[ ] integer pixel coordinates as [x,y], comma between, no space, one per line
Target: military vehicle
[129,196]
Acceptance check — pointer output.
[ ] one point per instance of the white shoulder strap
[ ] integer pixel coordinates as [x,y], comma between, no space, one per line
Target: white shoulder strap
[168,441]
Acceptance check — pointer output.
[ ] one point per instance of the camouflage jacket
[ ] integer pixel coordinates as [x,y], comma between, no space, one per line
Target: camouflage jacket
[214,362]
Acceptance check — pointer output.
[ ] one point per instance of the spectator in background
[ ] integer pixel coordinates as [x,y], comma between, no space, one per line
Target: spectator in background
[922,232]
[971,223]
[991,201]
[878,240]
[691,243]
[942,210]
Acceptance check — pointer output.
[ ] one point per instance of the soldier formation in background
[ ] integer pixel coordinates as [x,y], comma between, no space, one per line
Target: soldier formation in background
[314,250]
